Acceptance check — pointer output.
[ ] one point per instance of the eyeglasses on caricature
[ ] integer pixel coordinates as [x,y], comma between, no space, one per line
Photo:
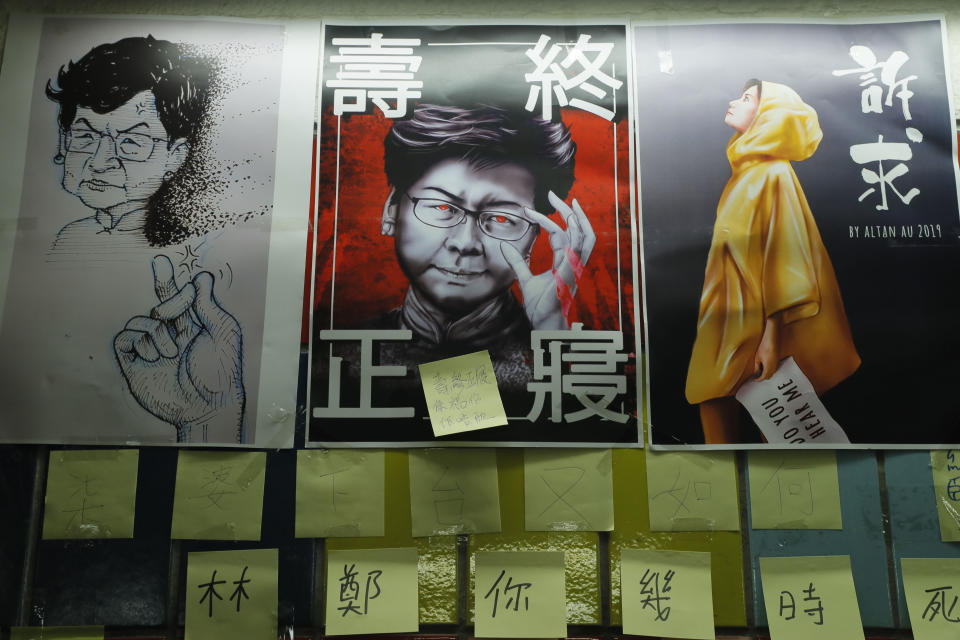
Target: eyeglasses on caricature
[135,147]
[507,224]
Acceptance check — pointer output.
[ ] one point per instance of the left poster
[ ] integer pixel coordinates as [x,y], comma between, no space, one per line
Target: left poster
[153,228]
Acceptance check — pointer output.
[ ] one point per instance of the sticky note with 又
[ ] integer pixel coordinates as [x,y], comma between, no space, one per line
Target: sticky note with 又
[372,591]
[454,491]
[56,633]
[91,494]
[794,490]
[462,394]
[945,464]
[810,598]
[692,491]
[219,495]
[340,493]
[568,490]
[932,590]
[519,594]
[667,594]
[231,594]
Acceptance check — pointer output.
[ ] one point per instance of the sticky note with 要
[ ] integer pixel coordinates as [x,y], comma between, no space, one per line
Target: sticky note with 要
[372,591]
[810,598]
[454,491]
[462,394]
[56,633]
[219,495]
[568,490]
[231,594]
[667,594]
[340,493]
[932,589]
[91,494]
[945,465]
[519,594]
[794,490]
[692,491]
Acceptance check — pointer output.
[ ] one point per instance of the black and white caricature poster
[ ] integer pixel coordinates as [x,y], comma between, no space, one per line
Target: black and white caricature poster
[474,195]
[154,212]
[800,234]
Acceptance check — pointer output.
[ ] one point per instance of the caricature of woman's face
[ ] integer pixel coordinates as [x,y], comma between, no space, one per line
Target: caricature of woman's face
[742,110]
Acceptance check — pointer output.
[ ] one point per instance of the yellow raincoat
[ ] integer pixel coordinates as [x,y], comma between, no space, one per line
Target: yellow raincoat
[767,257]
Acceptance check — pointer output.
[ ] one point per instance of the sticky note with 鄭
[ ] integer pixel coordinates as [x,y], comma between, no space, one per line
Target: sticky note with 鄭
[810,598]
[794,490]
[454,491]
[945,464]
[932,590]
[519,594]
[667,594]
[56,633]
[568,490]
[340,493]
[462,394]
[219,495]
[91,494]
[692,491]
[231,594]
[372,591]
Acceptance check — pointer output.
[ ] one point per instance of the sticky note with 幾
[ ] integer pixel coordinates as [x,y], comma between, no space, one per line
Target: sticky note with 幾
[462,394]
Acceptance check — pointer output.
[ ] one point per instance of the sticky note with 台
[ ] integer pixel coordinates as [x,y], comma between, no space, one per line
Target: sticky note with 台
[462,394]
[454,491]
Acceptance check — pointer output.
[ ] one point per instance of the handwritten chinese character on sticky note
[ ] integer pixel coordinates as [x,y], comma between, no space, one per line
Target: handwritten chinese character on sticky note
[340,493]
[932,590]
[219,495]
[519,594]
[372,591]
[568,490]
[692,491]
[454,491]
[231,594]
[667,594]
[462,394]
[56,633]
[945,464]
[91,494]
[794,490]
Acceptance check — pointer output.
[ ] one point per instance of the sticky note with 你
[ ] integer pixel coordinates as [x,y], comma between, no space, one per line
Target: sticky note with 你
[519,594]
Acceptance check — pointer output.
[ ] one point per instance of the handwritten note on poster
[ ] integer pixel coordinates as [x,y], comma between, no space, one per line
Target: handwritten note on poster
[794,490]
[372,591]
[810,598]
[692,491]
[56,633]
[219,495]
[91,494]
[454,491]
[519,594]
[568,490]
[945,464]
[932,590]
[231,594]
[340,493]
[462,394]
[667,594]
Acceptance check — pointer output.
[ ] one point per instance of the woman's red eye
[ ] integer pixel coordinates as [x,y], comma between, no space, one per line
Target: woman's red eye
[443,207]
[500,219]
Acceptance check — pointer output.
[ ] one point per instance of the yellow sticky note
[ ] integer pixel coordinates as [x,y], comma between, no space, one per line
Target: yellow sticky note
[91,494]
[932,589]
[462,394]
[810,598]
[372,591]
[219,495]
[945,464]
[568,490]
[454,491]
[519,594]
[231,594]
[794,490]
[692,491]
[56,633]
[340,493]
[667,594]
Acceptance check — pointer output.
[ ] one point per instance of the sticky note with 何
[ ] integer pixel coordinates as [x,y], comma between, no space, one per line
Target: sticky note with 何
[932,590]
[692,491]
[810,598]
[462,394]
[794,490]
[372,591]
[945,464]
[568,490]
[231,594]
[340,493]
[666,594]
[56,633]
[219,495]
[91,494]
[519,594]
[454,491]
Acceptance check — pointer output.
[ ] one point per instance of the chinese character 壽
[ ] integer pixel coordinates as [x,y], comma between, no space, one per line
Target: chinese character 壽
[375,67]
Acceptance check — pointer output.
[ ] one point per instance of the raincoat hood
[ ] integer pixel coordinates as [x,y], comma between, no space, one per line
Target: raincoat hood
[784,128]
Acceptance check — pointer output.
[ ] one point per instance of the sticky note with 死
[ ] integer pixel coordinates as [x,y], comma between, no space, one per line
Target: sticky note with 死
[692,491]
[219,495]
[568,489]
[454,491]
[932,589]
[667,594]
[372,591]
[794,490]
[462,394]
[945,465]
[519,594]
[340,493]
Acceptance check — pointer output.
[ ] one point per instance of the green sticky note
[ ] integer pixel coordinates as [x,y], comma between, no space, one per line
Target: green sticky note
[568,490]
[692,491]
[932,589]
[231,594]
[372,591]
[91,494]
[219,495]
[454,491]
[519,594]
[667,594]
[945,464]
[794,490]
[340,493]
[56,633]
[810,598]
[462,394]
